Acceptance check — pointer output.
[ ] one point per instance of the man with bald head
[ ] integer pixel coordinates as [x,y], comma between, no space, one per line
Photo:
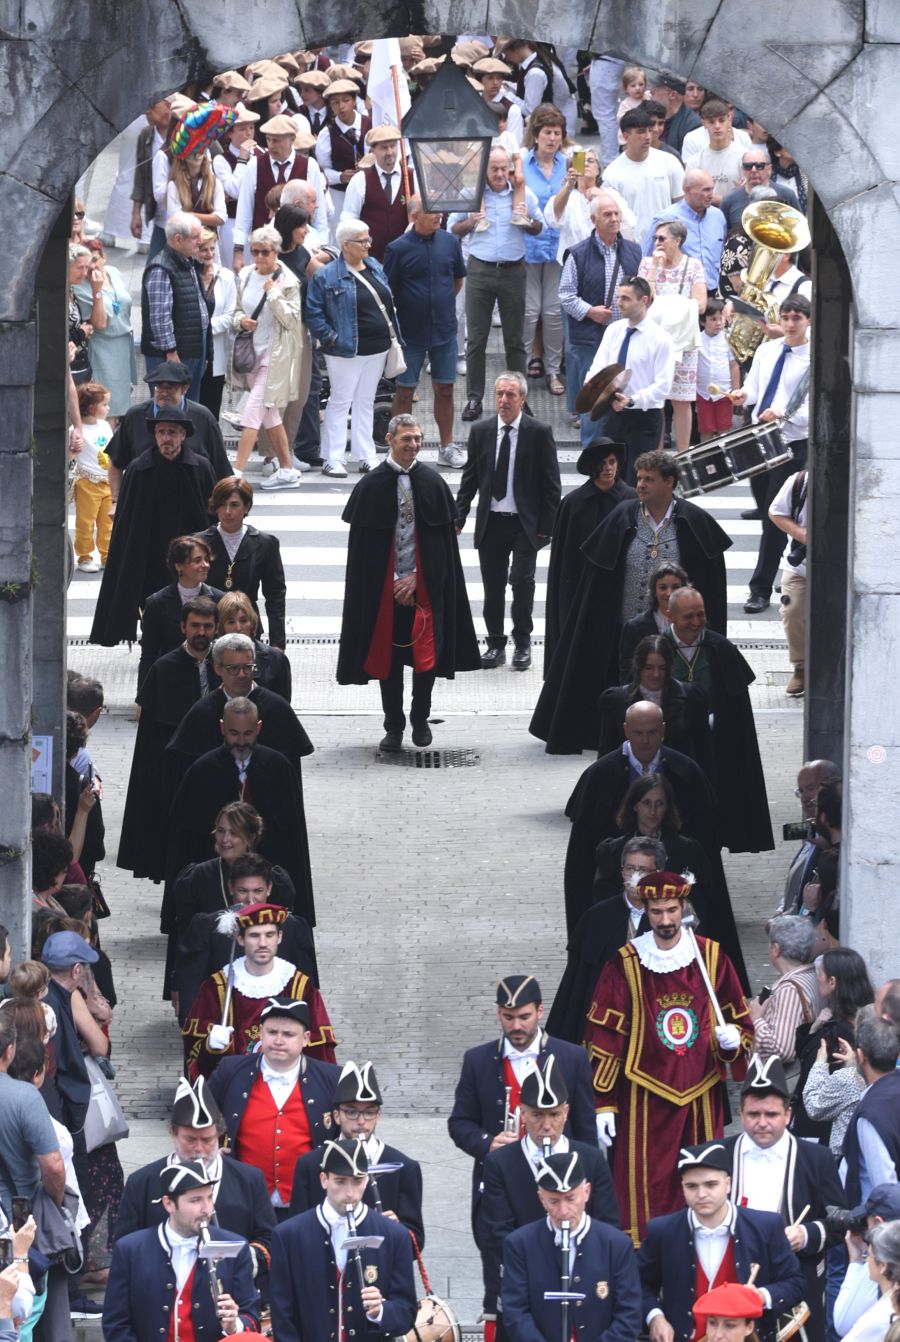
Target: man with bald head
[704,221]
[705,658]
[803,867]
[600,790]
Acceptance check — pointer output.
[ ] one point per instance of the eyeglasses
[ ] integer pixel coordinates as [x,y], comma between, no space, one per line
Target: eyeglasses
[240,670]
[361,242]
[79,214]
[754,167]
[261,251]
[354,1114]
[661,237]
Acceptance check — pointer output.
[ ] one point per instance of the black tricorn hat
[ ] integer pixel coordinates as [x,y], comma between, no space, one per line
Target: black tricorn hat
[357,1085]
[346,1156]
[560,1172]
[712,1155]
[518,990]
[291,1007]
[193,1106]
[765,1076]
[183,1176]
[544,1088]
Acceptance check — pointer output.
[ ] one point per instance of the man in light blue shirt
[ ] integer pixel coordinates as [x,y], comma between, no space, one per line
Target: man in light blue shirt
[704,221]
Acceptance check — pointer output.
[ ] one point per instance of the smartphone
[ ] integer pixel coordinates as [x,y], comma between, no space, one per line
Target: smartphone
[6,1252]
[763,995]
[578,161]
[798,831]
[21,1210]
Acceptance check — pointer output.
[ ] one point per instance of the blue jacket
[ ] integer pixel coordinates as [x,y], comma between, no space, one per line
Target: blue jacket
[304,1288]
[545,245]
[140,1293]
[605,1269]
[331,306]
[422,273]
[668,1267]
[232,1081]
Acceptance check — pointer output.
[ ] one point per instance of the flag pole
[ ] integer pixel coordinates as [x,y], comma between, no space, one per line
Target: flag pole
[403,167]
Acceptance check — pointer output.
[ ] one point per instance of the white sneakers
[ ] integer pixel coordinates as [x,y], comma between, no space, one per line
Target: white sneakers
[88,566]
[282,479]
[452,457]
[335,469]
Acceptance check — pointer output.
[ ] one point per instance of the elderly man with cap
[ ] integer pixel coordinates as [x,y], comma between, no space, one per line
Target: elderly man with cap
[568,1250]
[858,1292]
[169,384]
[164,495]
[395,1180]
[658,1056]
[240,1196]
[579,514]
[341,141]
[376,194]
[175,313]
[67,956]
[774,1172]
[486,1105]
[511,1198]
[324,1291]
[161,1286]
[492,75]
[276,1102]
[711,1242]
[225,1017]
[680,118]
[281,163]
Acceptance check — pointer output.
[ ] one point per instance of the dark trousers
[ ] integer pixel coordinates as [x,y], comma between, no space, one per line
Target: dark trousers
[504,539]
[308,440]
[485,285]
[392,688]
[639,430]
[211,389]
[773,541]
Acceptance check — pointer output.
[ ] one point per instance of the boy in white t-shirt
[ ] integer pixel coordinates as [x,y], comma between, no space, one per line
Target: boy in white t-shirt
[92,495]
[722,157]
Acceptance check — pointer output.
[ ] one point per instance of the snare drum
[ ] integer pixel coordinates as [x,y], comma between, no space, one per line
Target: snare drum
[755,450]
[703,468]
[435,1322]
[737,455]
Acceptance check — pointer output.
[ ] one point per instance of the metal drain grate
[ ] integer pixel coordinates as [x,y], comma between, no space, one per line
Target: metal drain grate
[429,759]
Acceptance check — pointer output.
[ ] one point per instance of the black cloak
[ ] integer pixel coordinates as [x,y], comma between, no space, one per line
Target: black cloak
[372,513]
[159,500]
[203,888]
[587,654]
[600,932]
[686,710]
[134,435]
[199,731]
[579,514]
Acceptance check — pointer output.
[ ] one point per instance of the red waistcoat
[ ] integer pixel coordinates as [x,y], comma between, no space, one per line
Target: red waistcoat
[273,1140]
[265,180]
[515,1090]
[726,1273]
[345,155]
[233,160]
[386,222]
[181,1325]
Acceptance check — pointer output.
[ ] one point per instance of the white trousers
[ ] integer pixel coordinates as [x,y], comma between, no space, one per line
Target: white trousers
[354,383]
[605,83]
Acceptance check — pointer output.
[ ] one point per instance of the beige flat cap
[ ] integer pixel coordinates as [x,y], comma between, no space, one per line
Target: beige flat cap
[279,125]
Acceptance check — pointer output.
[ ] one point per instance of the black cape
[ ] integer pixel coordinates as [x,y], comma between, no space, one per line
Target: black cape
[586,659]
[159,500]
[134,436]
[737,772]
[202,951]
[161,630]
[633,630]
[199,731]
[592,810]
[274,790]
[599,933]
[170,688]
[579,514]
[686,710]
[203,888]
[371,512]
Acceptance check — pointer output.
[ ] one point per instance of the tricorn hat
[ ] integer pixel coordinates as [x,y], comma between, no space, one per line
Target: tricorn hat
[357,1085]
[291,1007]
[544,1088]
[518,990]
[711,1155]
[182,1176]
[193,1106]
[345,1156]
[560,1172]
[765,1076]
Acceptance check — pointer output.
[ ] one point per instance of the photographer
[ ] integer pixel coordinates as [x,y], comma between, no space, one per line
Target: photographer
[787,512]
[803,866]
[822,1109]
[858,1291]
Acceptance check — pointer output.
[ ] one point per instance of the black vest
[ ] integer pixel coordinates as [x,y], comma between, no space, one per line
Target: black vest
[881,1106]
[186,300]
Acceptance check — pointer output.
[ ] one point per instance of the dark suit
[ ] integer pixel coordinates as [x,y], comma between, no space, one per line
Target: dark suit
[668,1266]
[399,1192]
[232,1081]
[520,534]
[811,1179]
[161,630]
[510,1201]
[305,1287]
[256,564]
[604,1269]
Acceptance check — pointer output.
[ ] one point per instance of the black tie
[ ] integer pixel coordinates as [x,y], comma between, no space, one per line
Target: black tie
[388,187]
[279,169]
[501,470]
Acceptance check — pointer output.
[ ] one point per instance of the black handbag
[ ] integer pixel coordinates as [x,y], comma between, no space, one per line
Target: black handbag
[243,355]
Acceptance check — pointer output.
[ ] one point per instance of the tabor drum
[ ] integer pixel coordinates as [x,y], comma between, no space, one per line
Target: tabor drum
[435,1322]
[737,455]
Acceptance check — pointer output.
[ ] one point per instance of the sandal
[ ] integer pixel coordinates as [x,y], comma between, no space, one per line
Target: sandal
[555,386]
[536,368]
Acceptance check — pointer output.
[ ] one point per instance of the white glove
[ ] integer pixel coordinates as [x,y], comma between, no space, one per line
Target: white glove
[219,1037]
[606,1129]
[728,1037]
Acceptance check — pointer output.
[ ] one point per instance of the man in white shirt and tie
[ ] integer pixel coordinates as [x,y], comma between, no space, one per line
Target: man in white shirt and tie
[159,1285]
[281,163]
[646,351]
[377,194]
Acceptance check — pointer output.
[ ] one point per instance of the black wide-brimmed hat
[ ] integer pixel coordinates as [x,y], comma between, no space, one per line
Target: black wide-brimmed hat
[170,414]
[596,453]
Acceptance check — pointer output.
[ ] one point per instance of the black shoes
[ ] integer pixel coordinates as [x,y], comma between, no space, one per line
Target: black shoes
[494,657]
[753,515]
[756,604]
[471,411]
[392,743]
[421,735]
[522,657]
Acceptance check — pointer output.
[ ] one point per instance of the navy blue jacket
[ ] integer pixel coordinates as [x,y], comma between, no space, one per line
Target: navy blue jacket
[668,1267]
[400,1192]
[422,273]
[232,1081]
[605,1269]
[510,1200]
[304,1288]
[480,1099]
[880,1106]
[140,1293]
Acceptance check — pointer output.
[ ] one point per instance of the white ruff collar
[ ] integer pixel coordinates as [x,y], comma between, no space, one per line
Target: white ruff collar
[662,962]
[263,985]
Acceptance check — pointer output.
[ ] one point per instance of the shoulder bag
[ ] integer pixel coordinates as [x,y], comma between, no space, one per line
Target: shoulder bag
[243,354]
[395,363]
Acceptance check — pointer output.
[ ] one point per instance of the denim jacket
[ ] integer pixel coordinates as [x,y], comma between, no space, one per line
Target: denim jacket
[331,306]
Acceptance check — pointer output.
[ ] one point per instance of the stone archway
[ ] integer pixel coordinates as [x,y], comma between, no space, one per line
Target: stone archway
[75,76]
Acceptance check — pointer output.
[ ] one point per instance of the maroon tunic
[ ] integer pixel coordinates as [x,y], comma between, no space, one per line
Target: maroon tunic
[344,154]
[386,222]
[265,180]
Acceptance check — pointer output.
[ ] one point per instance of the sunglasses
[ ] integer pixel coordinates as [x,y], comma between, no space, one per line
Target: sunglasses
[79,214]
[754,167]
[261,251]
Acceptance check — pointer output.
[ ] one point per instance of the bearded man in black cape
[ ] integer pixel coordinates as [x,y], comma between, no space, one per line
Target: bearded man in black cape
[578,516]
[618,560]
[405,601]
[164,495]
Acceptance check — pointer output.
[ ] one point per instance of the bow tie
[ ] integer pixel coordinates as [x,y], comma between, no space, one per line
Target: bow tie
[764,1155]
[530,1055]
[717,1232]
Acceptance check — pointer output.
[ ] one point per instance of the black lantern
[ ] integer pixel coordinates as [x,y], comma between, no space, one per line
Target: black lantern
[450,128]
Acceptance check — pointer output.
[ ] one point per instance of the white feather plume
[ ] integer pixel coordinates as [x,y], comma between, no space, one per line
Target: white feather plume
[227,923]
[689,878]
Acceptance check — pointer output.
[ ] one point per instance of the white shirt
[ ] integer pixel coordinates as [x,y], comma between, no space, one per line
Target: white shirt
[534,1154]
[183,1252]
[576,1235]
[635,914]
[714,358]
[356,191]
[723,166]
[323,150]
[515,122]
[650,186]
[225,297]
[872,1326]
[782,287]
[508,503]
[230,174]
[280,1083]
[634,763]
[173,201]
[525,1062]
[781,507]
[651,358]
[761,369]
[698,139]
[763,1173]
[537,86]
[575,222]
[243,220]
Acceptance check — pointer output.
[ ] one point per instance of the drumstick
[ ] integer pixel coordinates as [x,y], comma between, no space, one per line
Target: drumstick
[801,1218]
[715,390]
[754,1269]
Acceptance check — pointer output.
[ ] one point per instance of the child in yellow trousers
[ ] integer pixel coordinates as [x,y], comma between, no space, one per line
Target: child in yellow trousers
[92,497]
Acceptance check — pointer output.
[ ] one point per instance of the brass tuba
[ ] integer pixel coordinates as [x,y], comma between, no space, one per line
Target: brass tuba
[774,229]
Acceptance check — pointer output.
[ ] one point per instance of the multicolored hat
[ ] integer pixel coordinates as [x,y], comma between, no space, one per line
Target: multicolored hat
[200,126]
[663,885]
[260,915]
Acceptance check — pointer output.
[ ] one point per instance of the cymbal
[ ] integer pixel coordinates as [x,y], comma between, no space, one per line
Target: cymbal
[588,394]
[616,384]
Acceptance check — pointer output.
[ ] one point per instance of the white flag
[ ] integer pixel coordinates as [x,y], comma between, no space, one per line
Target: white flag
[385,54]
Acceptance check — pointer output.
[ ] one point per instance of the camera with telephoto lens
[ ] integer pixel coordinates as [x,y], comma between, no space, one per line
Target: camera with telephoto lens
[838,1220]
